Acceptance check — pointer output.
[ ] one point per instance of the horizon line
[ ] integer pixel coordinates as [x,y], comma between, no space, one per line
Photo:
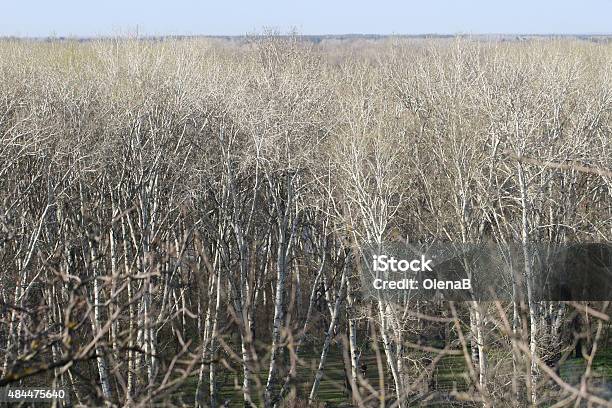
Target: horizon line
[137,35]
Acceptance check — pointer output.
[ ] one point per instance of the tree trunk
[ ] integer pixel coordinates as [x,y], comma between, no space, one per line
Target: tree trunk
[352,338]
[533,318]
[329,334]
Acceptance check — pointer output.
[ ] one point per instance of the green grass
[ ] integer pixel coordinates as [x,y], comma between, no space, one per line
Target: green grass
[572,369]
[450,374]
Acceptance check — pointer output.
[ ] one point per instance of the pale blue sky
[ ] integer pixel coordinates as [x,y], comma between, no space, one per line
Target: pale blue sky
[39,18]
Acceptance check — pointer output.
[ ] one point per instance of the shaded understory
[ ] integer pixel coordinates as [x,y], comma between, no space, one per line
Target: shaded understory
[449,376]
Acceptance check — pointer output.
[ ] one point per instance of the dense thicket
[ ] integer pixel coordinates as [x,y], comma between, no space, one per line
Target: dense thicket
[174,210]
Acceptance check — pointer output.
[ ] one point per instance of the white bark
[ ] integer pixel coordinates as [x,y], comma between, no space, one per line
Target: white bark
[533,318]
[352,338]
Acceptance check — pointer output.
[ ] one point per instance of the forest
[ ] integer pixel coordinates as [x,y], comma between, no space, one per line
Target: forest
[189,221]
